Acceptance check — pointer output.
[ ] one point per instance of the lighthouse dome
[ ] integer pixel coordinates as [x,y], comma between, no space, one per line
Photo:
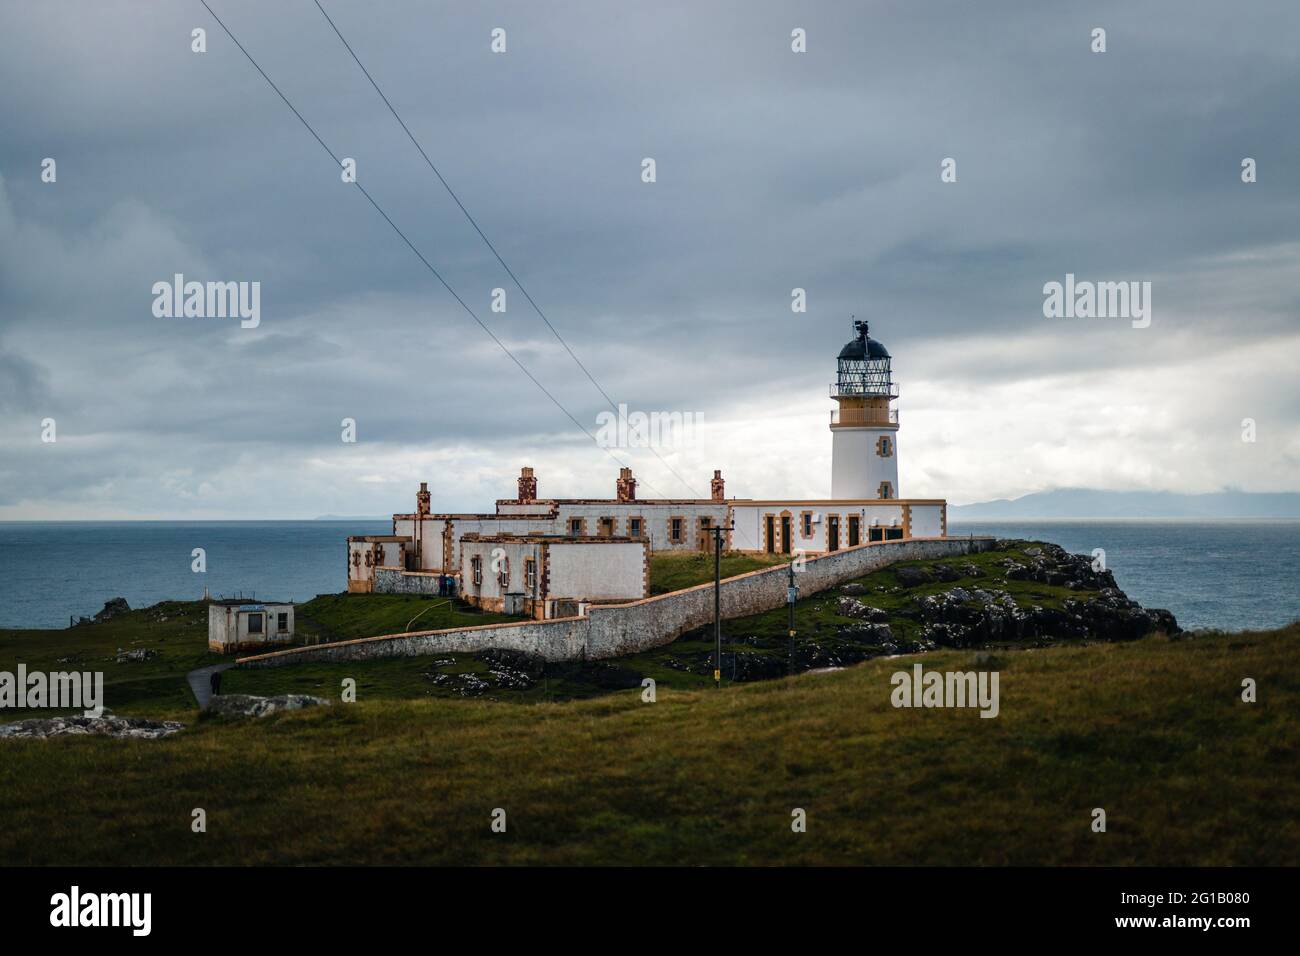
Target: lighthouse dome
[864,348]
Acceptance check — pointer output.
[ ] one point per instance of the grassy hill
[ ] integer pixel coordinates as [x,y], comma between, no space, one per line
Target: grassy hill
[1154,731]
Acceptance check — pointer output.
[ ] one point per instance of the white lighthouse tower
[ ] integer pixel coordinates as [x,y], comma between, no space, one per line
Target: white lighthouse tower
[864,429]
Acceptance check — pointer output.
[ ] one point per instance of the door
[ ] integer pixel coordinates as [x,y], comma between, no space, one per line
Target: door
[785,534]
[832,532]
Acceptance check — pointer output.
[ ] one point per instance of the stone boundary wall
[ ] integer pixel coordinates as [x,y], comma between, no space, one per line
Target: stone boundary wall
[398,581]
[613,630]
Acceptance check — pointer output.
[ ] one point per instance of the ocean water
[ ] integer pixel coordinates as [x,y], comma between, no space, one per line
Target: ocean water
[1226,574]
[50,571]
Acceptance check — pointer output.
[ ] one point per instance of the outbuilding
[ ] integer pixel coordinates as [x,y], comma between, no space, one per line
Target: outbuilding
[241,624]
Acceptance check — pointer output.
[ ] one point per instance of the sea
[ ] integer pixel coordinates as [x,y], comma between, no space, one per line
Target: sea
[1232,575]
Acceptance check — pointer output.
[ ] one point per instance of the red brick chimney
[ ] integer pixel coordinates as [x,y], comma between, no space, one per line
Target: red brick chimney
[718,487]
[527,486]
[422,499]
[626,486]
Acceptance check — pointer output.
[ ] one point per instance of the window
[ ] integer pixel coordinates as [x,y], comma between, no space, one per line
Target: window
[283,622]
[606,527]
[806,520]
[675,529]
[884,446]
[476,569]
[530,574]
[254,624]
[575,526]
[886,490]
[854,530]
[503,574]
[634,527]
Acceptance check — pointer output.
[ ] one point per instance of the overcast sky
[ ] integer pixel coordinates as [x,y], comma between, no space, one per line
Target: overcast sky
[775,170]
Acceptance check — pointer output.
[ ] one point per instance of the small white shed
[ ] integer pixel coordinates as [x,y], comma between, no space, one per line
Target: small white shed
[240,624]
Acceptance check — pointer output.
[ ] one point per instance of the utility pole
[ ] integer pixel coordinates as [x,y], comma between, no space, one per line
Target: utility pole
[791,595]
[717,601]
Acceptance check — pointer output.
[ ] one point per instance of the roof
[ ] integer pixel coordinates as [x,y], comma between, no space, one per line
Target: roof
[249,602]
[864,348]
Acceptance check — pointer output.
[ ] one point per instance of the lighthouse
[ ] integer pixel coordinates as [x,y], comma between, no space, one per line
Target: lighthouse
[864,429]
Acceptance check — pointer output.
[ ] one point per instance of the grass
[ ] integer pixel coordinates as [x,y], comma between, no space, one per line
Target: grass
[177,634]
[683,665]
[175,631]
[335,617]
[1154,731]
[675,571]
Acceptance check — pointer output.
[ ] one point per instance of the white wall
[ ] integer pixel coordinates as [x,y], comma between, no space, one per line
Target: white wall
[856,468]
[927,521]
[596,572]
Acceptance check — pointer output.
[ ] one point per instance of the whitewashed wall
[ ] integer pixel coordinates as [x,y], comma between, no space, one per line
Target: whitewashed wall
[856,469]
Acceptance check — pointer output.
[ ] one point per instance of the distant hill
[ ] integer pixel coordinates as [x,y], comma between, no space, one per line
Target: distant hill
[1091,503]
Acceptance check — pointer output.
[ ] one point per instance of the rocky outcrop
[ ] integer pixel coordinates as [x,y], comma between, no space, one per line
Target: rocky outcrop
[851,607]
[113,607]
[105,726]
[245,705]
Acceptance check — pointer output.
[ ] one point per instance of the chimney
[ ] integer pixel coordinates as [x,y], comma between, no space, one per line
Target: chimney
[527,486]
[422,499]
[718,487]
[626,486]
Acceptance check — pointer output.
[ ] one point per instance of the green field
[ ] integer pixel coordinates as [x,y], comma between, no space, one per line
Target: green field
[675,571]
[1153,731]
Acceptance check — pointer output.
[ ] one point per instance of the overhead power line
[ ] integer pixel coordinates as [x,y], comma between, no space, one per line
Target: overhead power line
[488,242]
[427,264]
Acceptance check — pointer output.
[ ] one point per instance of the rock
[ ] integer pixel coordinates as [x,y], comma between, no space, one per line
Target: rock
[867,633]
[854,589]
[945,573]
[112,608]
[134,656]
[971,570]
[246,705]
[105,726]
[852,607]
[512,669]
[910,577]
